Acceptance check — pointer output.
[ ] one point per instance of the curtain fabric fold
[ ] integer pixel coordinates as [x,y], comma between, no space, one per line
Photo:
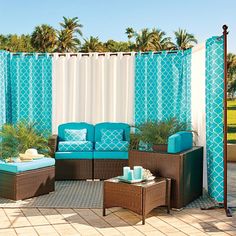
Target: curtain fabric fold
[214,116]
[163,86]
[198,100]
[30,94]
[93,88]
[4,73]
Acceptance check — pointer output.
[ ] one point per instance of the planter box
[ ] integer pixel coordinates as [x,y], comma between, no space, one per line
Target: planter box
[185,169]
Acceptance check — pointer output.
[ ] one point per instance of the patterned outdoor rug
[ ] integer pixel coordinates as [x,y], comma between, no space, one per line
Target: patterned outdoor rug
[82,194]
[68,194]
[204,202]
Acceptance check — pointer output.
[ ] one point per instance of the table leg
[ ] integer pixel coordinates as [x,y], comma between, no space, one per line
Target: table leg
[104,211]
[143,219]
[168,188]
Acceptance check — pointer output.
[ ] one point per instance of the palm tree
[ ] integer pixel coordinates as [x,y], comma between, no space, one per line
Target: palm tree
[43,38]
[152,40]
[160,41]
[114,46]
[130,32]
[92,44]
[66,42]
[184,40]
[72,24]
[68,36]
[143,40]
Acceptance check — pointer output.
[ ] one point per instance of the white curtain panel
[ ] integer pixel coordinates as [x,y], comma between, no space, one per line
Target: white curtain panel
[93,88]
[198,98]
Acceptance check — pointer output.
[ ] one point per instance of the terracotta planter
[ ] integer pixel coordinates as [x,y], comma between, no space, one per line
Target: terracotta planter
[160,147]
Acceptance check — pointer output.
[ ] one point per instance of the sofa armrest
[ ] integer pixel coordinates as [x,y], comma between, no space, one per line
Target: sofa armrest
[52,143]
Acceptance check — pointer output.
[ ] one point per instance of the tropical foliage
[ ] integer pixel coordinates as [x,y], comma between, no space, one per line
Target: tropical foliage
[157,132]
[18,138]
[152,40]
[68,36]
[231,64]
[44,38]
[184,40]
[93,44]
[16,43]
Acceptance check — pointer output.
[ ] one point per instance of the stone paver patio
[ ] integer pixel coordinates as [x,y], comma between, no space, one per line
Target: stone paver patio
[40,221]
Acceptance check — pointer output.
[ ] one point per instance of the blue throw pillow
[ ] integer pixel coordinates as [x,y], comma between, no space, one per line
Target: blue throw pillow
[111,135]
[75,134]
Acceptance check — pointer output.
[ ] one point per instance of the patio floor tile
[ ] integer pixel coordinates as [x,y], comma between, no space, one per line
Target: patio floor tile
[7,232]
[90,222]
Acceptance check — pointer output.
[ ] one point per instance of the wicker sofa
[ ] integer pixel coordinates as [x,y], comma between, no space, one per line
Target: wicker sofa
[98,161]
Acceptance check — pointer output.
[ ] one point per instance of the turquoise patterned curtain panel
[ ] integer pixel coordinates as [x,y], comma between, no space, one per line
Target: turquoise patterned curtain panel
[4,72]
[214,116]
[162,86]
[31,89]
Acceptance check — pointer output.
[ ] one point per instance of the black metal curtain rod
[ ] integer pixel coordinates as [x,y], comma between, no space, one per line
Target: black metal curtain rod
[99,54]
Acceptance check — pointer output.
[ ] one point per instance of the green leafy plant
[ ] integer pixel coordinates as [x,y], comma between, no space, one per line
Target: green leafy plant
[135,138]
[18,138]
[158,132]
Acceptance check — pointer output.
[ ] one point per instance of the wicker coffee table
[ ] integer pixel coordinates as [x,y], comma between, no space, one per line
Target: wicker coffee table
[140,198]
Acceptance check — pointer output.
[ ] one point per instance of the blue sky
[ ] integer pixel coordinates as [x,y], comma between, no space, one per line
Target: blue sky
[109,18]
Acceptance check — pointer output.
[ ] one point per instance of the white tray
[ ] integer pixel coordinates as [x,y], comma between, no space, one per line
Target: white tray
[121,178]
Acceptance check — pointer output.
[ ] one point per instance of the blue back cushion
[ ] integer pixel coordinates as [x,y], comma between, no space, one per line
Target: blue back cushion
[112,135]
[112,126]
[180,141]
[76,126]
[75,134]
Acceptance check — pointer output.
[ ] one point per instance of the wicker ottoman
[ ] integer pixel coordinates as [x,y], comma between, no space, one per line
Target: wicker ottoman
[140,198]
[21,181]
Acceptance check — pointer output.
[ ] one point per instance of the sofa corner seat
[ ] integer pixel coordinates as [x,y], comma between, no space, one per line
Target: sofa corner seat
[74,164]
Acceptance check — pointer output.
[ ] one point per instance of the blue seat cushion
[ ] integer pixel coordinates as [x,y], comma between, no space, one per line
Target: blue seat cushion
[75,135]
[17,167]
[180,141]
[110,155]
[75,146]
[121,146]
[111,135]
[73,155]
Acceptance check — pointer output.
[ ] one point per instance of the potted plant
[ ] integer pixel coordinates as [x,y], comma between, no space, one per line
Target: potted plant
[15,139]
[156,133]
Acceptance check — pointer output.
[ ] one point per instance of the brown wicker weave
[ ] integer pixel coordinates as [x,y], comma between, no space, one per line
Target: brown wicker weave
[27,184]
[52,143]
[185,169]
[74,169]
[141,198]
[107,168]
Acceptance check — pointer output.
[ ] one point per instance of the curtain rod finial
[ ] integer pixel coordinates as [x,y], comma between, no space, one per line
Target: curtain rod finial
[225,27]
